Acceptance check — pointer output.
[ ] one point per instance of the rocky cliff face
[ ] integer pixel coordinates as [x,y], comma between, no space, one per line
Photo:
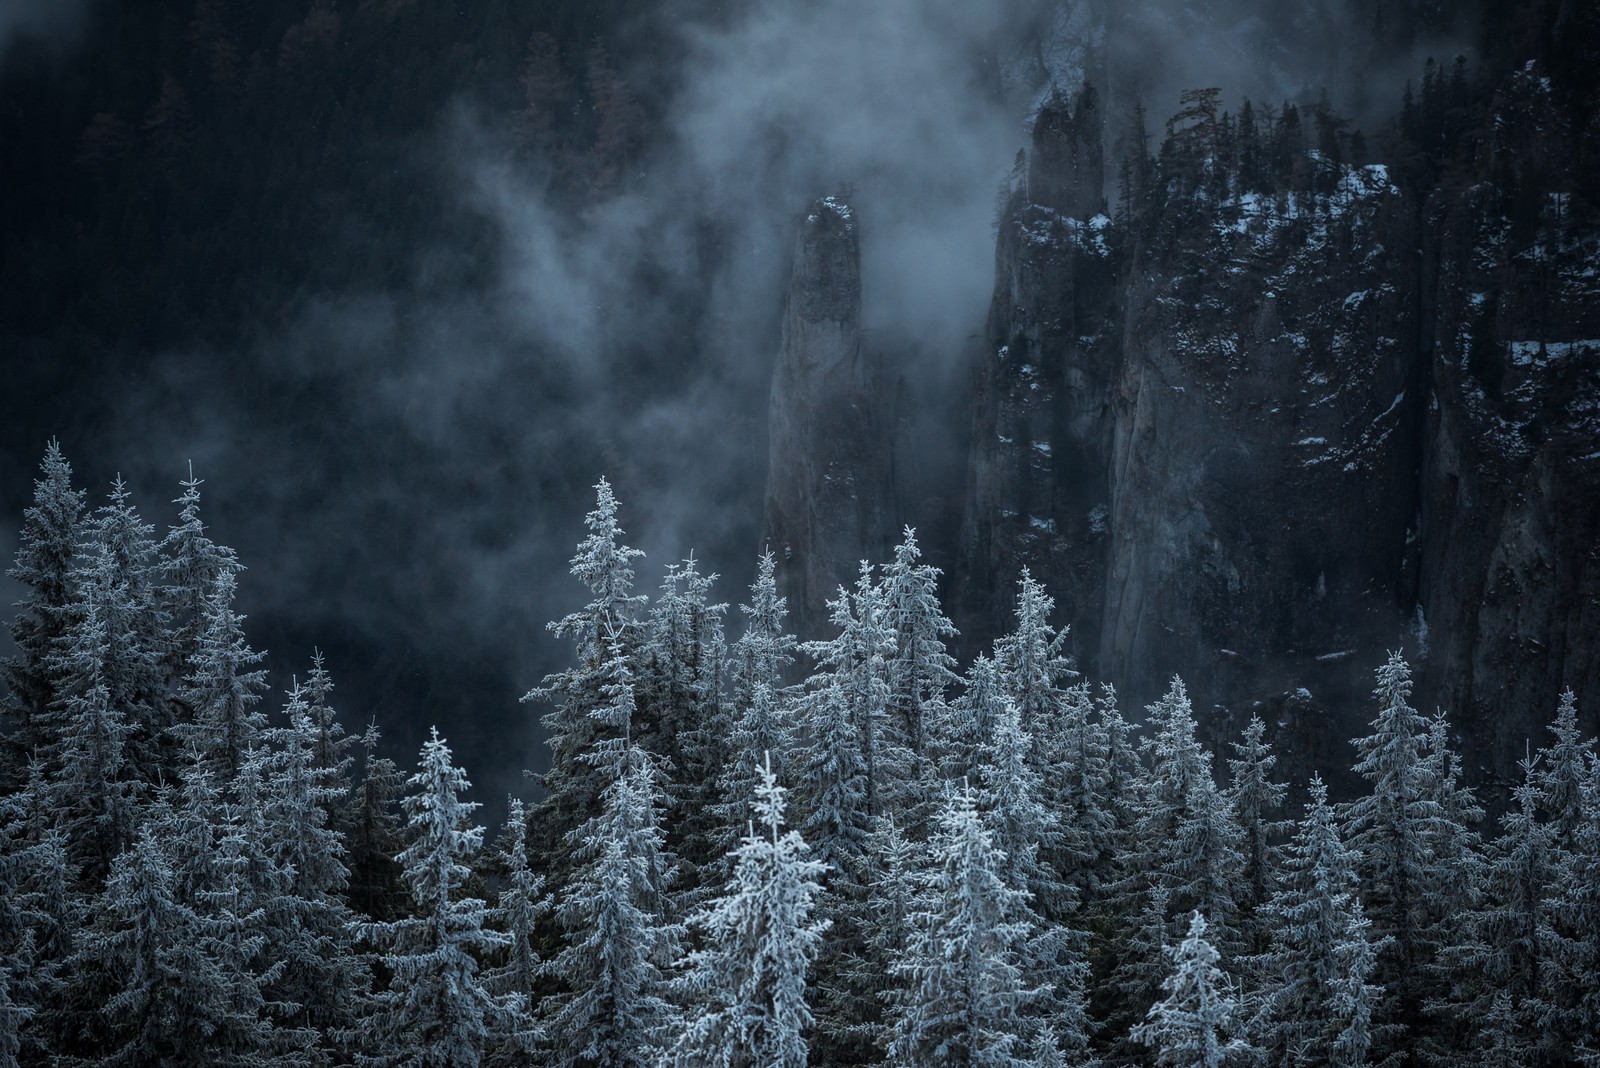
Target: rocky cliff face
[828,485]
[1509,575]
[1285,412]
[1277,421]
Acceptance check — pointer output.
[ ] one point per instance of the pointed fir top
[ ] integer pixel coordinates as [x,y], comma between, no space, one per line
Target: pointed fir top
[1394,683]
[907,552]
[769,798]
[601,562]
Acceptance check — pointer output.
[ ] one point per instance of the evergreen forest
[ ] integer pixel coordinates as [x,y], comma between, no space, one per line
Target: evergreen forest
[747,850]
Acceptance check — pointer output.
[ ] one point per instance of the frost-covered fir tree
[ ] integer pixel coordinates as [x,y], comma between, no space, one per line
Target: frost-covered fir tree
[764,721]
[116,575]
[961,997]
[747,987]
[1575,934]
[91,791]
[437,1012]
[1498,963]
[52,527]
[763,654]
[957,736]
[190,564]
[851,681]
[1079,768]
[1563,767]
[838,759]
[12,1019]
[36,927]
[613,1012]
[871,909]
[519,909]
[163,979]
[223,688]
[1190,841]
[1389,832]
[1012,801]
[1192,1025]
[1455,875]
[920,669]
[319,977]
[1253,797]
[331,753]
[1317,1004]
[605,633]
[761,728]
[1033,658]
[681,712]
[373,837]
[1023,829]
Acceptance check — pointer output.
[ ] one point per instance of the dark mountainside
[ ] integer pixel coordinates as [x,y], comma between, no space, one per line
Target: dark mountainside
[234,233]
[1291,398]
[1272,400]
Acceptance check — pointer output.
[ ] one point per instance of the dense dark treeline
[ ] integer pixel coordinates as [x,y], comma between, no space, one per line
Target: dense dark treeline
[199,166]
[842,852]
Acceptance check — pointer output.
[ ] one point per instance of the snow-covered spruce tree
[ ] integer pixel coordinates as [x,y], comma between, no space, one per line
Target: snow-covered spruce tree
[519,909]
[40,917]
[871,928]
[1185,824]
[851,679]
[1388,831]
[1023,827]
[437,1011]
[920,669]
[761,728]
[1122,796]
[605,632]
[1190,1027]
[116,576]
[1575,933]
[962,997]
[618,938]
[1253,797]
[261,915]
[1499,960]
[1033,659]
[681,715]
[1080,771]
[331,751]
[763,654]
[52,527]
[1563,766]
[374,838]
[763,704]
[28,959]
[841,716]
[747,988]
[13,1017]
[1456,873]
[190,563]
[90,791]
[956,737]
[319,978]
[1316,1004]
[1132,978]
[157,982]
[1012,801]
[223,688]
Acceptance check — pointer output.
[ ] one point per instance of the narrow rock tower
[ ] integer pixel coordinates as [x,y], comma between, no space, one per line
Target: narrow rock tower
[828,480]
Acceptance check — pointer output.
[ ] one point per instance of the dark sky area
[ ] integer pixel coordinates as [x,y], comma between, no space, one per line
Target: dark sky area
[401,278]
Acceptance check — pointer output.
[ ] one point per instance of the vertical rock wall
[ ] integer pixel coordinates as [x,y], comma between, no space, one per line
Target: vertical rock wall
[829,488]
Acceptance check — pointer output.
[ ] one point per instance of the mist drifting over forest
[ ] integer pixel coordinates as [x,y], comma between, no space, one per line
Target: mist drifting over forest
[1201,358]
